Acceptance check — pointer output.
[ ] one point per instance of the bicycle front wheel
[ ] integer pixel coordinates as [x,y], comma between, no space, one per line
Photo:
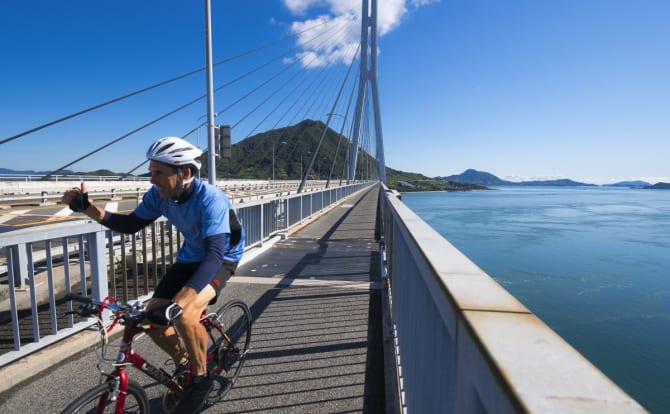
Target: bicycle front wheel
[98,400]
[230,350]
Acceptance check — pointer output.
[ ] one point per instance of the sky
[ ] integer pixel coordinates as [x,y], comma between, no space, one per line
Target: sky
[523,89]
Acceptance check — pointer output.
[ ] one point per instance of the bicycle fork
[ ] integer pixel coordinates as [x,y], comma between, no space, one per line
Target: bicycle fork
[118,390]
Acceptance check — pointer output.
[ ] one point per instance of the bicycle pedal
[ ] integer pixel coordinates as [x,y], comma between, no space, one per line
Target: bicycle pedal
[181,369]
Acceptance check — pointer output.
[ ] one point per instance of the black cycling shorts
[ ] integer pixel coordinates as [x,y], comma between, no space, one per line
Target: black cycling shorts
[179,273]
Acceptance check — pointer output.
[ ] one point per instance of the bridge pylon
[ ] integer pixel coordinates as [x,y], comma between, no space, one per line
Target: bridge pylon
[368,75]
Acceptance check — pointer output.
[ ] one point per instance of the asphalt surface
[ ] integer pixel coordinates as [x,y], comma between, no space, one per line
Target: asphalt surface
[316,336]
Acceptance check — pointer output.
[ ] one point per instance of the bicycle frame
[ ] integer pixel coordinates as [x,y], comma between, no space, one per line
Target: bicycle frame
[127,356]
[221,354]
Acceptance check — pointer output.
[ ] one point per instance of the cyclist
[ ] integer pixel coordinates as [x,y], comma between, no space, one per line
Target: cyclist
[212,248]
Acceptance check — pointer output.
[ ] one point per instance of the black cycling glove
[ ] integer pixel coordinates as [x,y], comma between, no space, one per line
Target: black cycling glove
[80,202]
[164,314]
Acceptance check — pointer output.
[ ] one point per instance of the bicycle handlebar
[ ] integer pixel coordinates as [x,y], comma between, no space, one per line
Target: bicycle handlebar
[78,298]
[125,313]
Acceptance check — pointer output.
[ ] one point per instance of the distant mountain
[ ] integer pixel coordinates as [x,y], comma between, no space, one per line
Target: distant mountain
[412,182]
[629,184]
[64,172]
[475,177]
[471,176]
[563,182]
[22,172]
[659,186]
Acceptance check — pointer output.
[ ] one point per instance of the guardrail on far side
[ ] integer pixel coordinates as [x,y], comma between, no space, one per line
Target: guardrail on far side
[45,262]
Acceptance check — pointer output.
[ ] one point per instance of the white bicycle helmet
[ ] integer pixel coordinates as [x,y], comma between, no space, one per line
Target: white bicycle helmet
[174,151]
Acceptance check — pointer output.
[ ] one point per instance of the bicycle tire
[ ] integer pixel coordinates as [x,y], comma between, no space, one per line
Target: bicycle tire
[235,319]
[136,400]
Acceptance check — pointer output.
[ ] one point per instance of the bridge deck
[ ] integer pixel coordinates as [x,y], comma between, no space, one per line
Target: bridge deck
[316,343]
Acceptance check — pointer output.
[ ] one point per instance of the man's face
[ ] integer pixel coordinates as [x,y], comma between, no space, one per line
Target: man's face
[164,177]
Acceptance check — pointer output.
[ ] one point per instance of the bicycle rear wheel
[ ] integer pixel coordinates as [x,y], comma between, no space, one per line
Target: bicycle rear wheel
[229,351]
[97,400]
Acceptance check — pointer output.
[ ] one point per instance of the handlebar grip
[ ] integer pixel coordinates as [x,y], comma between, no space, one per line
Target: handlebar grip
[78,298]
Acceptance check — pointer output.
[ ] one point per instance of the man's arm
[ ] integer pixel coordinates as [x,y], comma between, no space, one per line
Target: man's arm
[214,249]
[71,197]
[77,200]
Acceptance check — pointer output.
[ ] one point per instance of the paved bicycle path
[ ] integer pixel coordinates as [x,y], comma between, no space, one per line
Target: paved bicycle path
[316,338]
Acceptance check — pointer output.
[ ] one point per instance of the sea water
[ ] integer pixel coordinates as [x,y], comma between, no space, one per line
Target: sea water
[592,262]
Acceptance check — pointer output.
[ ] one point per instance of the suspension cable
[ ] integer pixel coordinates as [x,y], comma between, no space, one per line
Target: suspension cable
[148,88]
[314,83]
[339,138]
[325,128]
[256,69]
[46,177]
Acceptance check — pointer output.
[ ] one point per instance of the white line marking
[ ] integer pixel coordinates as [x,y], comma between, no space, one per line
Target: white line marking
[305,282]
[66,212]
[12,215]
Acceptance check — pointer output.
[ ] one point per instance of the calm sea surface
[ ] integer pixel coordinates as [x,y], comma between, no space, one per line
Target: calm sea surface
[593,263]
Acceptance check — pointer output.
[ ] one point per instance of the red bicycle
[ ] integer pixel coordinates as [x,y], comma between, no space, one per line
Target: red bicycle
[229,331]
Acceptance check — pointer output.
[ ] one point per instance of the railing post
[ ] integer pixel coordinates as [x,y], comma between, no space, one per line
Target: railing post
[262,227]
[96,253]
[12,302]
[286,203]
[19,264]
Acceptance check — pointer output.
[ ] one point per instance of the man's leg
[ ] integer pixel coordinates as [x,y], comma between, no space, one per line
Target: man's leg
[165,337]
[195,338]
[191,331]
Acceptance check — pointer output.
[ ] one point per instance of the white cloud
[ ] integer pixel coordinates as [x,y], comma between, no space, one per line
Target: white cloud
[331,40]
[299,6]
[419,3]
[342,22]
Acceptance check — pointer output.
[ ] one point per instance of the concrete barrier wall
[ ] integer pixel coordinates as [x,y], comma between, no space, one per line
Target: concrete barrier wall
[466,345]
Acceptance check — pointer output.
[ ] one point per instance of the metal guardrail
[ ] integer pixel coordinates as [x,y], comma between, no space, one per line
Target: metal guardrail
[69,177]
[45,262]
[50,191]
[463,344]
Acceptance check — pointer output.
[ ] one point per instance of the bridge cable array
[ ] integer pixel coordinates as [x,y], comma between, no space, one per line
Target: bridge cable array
[304,84]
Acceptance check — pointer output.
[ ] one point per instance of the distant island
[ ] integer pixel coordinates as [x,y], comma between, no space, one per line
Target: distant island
[408,182]
[483,178]
[471,176]
[7,171]
[630,184]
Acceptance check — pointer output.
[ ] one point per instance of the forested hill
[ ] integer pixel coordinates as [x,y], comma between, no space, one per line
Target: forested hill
[293,148]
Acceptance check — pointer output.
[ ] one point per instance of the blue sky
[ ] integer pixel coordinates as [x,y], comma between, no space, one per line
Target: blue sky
[520,88]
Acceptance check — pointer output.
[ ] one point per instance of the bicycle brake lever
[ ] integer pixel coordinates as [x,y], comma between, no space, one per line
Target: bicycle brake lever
[89,310]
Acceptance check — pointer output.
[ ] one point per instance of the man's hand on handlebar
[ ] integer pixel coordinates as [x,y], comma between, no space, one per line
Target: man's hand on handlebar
[164,314]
